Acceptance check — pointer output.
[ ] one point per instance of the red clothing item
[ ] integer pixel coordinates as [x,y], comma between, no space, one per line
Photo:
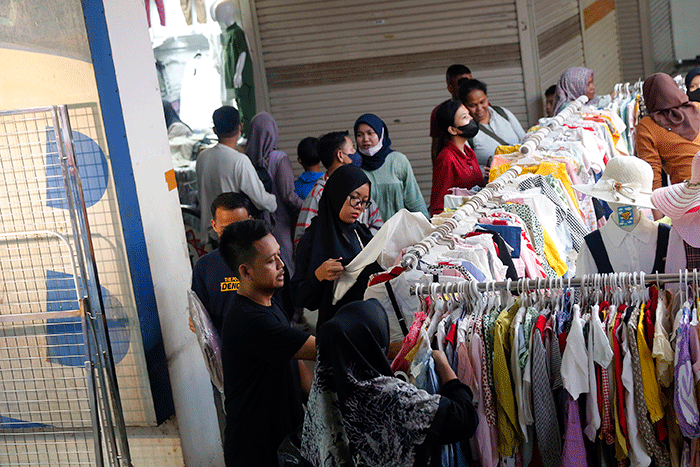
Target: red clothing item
[434,129]
[453,168]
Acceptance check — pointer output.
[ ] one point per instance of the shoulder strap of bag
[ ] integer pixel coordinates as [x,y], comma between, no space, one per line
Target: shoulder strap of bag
[395,306]
[501,112]
[600,255]
[661,248]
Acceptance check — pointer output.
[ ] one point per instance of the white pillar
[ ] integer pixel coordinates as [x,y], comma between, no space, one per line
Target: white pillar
[137,83]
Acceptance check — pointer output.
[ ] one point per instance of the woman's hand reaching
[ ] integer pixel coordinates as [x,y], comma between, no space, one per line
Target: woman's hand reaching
[329,270]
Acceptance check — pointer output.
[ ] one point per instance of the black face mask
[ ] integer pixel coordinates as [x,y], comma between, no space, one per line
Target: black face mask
[694,95]
[469,130]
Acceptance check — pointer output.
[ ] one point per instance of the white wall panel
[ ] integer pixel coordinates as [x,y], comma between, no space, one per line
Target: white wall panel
[568,55]
[630,32]
[662,35]
[602,53]
[326,66]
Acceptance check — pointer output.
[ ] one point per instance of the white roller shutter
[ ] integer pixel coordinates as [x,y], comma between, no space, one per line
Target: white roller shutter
[558,28]
[327,64]
[662,35]
[630,30]
[601,43]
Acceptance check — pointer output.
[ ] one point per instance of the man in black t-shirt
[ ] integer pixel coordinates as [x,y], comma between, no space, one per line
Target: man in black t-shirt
[259,350]
[212,279]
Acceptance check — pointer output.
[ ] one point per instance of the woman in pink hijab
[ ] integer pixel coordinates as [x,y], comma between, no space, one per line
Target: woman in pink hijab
[574,82]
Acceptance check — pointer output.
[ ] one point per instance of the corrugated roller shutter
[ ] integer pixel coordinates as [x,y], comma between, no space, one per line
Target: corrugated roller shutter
[326,65]
[601,43]
[662,35]
[553,64]
[630,31]
[558,27]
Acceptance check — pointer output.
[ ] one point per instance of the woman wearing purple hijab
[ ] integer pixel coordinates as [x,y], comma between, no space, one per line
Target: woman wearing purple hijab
[263,137]
[574,83]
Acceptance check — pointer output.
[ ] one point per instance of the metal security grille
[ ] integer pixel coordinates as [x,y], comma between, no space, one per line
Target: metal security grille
[59,402]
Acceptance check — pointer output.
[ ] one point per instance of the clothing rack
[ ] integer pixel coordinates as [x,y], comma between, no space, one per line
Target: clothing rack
[538,136]
[414,253]
[593,280]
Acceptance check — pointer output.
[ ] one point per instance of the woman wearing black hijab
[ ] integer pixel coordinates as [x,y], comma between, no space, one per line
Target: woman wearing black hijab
[360,414]
[332,240]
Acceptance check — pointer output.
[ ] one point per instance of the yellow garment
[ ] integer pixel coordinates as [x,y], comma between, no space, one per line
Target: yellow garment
[557,169]
[509,434]
[652,394]
[500,150]
[412,353]
[552,254]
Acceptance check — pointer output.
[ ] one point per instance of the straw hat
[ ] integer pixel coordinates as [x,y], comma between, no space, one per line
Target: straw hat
[625,180]
[676,200]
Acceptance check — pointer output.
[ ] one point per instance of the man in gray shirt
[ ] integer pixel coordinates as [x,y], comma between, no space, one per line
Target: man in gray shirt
[222,169]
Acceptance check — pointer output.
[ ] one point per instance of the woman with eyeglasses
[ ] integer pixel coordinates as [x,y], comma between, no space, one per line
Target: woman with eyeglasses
[390,172]
[332,240]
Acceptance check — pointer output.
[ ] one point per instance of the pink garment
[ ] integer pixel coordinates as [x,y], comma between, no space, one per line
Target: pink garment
[675,256]
[485,440]
[161,11]
[573,451]
[400,363]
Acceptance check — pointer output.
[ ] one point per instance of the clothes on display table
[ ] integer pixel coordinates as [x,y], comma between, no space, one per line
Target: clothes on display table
[570,377]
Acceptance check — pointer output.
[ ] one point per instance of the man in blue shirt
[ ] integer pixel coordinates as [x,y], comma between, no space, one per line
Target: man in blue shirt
[307,156]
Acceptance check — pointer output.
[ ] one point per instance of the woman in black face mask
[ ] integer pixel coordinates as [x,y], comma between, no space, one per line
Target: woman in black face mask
[692,84]
[456,164]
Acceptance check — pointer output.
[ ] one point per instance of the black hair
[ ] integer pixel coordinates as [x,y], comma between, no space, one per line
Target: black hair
[551,90]
[328,144]
[226,121]
[456,70]
[236,244]
[230,201]
[307,150]
[445,115]
[468,85]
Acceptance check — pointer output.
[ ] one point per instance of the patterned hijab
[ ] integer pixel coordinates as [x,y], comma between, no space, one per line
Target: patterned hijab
[669,107]
[263,138]
[358,413]
[572,84]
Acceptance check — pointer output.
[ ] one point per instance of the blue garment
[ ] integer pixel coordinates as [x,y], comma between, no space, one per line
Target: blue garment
[305,182]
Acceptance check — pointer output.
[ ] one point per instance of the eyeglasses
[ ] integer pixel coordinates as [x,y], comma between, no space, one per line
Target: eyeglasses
[356,201]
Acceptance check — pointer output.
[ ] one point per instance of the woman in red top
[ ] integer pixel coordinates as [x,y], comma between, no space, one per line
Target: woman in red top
[456,164]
